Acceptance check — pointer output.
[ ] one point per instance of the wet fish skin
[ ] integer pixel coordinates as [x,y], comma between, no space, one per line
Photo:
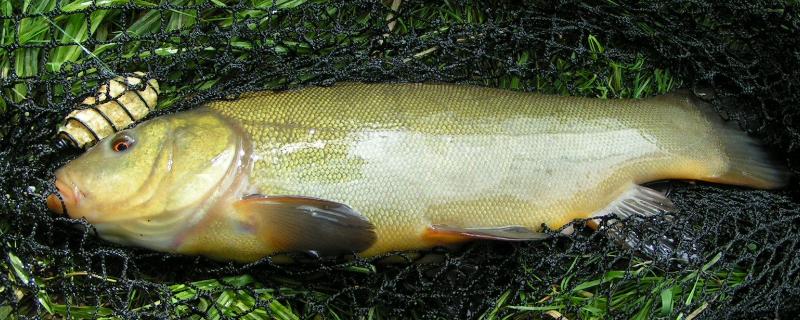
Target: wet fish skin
[406,158]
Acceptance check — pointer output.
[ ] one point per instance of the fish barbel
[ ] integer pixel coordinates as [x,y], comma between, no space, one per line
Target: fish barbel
[373,168]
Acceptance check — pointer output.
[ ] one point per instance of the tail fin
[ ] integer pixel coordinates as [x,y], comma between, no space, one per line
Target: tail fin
[749,163]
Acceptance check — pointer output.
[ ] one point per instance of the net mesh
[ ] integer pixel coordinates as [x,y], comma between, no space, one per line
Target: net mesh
[54,53]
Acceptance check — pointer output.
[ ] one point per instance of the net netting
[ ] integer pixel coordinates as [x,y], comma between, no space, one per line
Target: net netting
[743,242]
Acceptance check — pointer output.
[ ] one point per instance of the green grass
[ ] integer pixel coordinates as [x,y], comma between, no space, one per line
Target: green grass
[642,290]
[71,30]
[234,296]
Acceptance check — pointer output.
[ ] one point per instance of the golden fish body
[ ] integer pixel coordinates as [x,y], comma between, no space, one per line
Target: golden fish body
[387,167]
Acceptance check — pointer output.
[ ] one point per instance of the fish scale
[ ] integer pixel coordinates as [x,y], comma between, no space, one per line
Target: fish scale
[410,155]
[373,168]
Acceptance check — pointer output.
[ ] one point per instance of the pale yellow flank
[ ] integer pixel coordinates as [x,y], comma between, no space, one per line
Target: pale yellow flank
[404,156]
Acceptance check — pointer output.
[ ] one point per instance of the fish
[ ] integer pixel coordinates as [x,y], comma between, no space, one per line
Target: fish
[366,169]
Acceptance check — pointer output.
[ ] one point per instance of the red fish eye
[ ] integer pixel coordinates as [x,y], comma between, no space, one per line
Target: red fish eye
[121,143]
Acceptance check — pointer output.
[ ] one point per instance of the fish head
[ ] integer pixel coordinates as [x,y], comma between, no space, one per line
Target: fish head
[151,177]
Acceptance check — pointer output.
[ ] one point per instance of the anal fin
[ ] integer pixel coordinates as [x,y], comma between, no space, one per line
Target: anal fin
[447,233]
[640,201]
[637,201]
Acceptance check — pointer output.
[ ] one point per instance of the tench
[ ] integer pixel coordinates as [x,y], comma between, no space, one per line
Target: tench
[373,168]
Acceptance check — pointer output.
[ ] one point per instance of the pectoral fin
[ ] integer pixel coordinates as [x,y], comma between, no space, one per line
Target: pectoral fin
[446,233]
[305,224]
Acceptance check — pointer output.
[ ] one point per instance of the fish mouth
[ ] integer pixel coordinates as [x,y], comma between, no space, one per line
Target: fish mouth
[67,196]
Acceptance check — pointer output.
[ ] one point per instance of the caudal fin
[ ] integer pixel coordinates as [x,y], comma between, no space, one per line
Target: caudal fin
[749,163]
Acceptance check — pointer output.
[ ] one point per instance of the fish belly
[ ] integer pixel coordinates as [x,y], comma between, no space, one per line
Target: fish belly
[408,156]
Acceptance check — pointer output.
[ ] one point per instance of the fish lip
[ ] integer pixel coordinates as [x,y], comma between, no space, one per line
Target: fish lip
[68,193]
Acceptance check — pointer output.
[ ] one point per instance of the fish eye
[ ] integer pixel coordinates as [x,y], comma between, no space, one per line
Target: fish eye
[121,143]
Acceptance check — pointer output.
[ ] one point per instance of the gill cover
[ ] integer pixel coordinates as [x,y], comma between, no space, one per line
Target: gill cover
[146,185]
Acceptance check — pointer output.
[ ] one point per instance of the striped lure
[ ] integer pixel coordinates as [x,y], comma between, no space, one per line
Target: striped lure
[116,105]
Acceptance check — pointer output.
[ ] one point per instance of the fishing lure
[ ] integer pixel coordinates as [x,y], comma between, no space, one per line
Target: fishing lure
[116,105]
